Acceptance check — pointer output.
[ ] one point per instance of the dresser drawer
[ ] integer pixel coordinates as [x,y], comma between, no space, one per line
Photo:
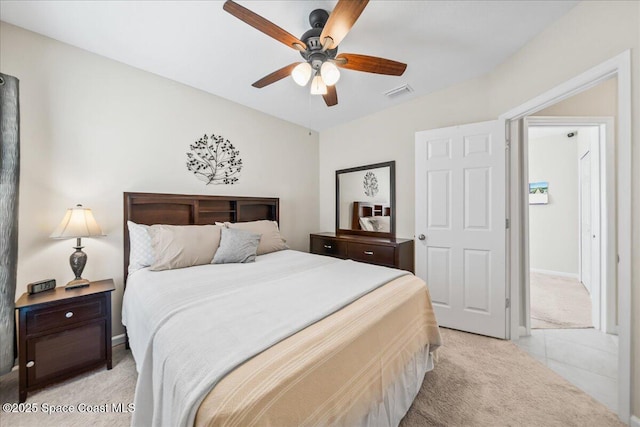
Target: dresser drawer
[329,247]
[62,315]
[396,253]
[371,253]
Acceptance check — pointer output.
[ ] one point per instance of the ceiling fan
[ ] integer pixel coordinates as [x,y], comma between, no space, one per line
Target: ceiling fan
[319,48]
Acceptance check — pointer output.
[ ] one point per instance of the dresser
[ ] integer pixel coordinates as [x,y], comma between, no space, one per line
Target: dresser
[62,333]
[396,253]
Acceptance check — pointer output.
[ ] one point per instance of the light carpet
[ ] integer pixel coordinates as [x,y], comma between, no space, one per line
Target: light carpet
[559,303]
[477,381]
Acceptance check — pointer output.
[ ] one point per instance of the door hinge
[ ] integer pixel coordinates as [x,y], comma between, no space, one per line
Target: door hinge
[507,223]
[507,303]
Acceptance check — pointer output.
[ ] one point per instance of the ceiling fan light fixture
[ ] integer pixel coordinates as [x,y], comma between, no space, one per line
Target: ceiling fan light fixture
[330,73]
[301,73]
[318,87]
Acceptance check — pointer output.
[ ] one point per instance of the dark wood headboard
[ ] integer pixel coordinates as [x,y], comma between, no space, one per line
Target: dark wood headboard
[180,209]
[361,209]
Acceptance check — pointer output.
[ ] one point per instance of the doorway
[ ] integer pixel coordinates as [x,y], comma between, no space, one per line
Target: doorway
[567,183]
[567,296]
[617,268]
[437,164]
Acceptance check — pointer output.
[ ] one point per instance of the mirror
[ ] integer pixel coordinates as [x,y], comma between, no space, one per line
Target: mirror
[365,200]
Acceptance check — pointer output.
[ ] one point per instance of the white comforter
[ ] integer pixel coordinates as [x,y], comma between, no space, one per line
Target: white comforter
[188,328]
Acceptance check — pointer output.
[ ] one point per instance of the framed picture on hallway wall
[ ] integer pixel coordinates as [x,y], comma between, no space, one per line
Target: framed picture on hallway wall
[539,193]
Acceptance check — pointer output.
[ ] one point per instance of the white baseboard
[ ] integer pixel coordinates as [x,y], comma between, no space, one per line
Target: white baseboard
[556,273]
[634,421]
[522,331]
[117,340]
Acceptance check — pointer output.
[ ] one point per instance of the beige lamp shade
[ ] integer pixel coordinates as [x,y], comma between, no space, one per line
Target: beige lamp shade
[77,222]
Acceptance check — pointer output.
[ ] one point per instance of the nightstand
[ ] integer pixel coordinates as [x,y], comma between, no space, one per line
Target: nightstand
[62,333]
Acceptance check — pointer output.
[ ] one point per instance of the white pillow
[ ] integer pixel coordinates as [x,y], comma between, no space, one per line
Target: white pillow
[365,224]
[140,252]
[384,224]
[376,223]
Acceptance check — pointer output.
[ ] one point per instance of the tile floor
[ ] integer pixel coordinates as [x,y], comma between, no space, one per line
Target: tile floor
[587,358]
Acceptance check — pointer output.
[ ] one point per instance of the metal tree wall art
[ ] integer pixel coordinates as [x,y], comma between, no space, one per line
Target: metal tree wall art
[214,160]
[370,184]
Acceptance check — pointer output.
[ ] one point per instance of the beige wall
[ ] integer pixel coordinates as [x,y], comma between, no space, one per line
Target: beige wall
[553,227]
[92,128]
[599,101]
[589,34]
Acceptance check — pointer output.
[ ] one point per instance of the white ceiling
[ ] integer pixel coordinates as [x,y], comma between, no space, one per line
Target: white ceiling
[198,44]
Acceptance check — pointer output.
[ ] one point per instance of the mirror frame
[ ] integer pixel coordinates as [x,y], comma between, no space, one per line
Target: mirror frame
[392,202]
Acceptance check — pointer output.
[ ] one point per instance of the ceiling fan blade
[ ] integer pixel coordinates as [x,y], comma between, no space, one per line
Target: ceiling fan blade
[370,64]
[264,25]
[275,76]
[342,18]
[331,97]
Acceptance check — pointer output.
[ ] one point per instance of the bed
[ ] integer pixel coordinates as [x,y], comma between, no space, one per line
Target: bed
[291,339]
[369,216]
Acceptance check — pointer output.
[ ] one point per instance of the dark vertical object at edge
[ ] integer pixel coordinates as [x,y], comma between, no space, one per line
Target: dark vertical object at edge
[9,186]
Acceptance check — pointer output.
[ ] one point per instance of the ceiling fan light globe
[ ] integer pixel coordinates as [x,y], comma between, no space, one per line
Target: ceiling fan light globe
[318,87]
[330,73]
[301,73]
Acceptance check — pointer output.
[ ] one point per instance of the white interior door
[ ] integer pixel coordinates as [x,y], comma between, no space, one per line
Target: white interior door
[584,171]
[460,224]
[589,199]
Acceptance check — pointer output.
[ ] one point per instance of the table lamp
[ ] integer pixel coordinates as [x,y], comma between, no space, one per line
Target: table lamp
[78,222]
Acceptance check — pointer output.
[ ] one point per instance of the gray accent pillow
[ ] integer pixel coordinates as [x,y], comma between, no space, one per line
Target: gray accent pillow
[236,246]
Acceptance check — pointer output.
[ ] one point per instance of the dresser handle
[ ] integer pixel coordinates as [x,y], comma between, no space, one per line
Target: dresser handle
[368,252]
[30,363]
[327,246]
[69,314]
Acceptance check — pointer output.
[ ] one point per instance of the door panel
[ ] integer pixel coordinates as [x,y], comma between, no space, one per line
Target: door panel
[477,198]
[477,280]
[439,274]
[439,194]
[57,354]
[460,208]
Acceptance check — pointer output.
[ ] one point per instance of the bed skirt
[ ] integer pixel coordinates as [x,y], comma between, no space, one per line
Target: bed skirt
[399,396]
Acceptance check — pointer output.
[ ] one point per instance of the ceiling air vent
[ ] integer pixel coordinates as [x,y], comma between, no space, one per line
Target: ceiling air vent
[398,91]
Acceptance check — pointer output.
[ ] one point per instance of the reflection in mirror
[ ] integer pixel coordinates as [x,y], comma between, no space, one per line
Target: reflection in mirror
[365,200]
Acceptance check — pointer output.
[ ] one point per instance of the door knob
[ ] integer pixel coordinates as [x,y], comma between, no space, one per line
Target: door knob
[421,237]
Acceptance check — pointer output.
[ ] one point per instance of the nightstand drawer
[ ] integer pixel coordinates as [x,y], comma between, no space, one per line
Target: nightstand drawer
[329,247]
[62,315]
[374,254]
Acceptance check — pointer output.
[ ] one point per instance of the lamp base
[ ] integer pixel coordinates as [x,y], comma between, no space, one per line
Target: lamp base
[76,283]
